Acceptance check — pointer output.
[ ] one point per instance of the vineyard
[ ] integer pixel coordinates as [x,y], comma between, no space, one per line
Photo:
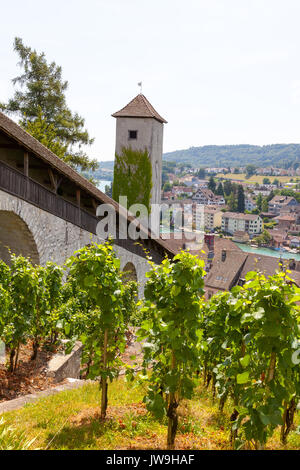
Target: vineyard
[241,347]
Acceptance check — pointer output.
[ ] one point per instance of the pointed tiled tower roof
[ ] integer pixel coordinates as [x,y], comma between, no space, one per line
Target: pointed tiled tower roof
[139,107]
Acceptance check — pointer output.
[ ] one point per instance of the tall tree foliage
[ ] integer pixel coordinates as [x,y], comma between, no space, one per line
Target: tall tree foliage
[240,199]
[220,191]
[41,104]
[212,184]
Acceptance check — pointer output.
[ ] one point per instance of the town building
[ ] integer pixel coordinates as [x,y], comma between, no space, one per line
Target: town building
[250,204]
[295,242]
[285,222]
[241,237]
[140,127]
[207,197]
[182,190]
[234,221]
[279,202]
[209,218]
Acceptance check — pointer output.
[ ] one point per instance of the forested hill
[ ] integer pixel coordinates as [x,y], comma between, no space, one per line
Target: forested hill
[279,155]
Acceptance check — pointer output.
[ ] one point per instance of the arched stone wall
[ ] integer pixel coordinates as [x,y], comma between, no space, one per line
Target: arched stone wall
[56,240]
[16,237]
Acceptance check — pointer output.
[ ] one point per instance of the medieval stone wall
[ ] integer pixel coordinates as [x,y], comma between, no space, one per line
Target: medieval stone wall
[45,237]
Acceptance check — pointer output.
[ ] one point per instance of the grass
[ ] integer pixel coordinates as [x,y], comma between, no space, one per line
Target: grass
[255,178]
[71,420]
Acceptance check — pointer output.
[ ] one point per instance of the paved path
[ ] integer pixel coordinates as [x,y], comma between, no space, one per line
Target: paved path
[19,402]
[134,349]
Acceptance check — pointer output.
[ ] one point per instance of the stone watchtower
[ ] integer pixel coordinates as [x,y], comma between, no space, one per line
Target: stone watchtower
[140,127]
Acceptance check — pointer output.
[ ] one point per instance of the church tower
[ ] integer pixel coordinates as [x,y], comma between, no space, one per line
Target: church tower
[140,127]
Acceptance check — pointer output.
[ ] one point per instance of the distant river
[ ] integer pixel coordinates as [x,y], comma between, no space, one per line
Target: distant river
[102,183]
[268,252]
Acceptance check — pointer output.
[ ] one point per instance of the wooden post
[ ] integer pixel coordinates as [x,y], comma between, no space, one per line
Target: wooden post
[104,380]
[172,414]
[26,172]
[53,180]
[95,204]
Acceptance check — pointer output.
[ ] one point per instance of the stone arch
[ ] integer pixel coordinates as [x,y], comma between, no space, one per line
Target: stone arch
[130,273]
[16,236]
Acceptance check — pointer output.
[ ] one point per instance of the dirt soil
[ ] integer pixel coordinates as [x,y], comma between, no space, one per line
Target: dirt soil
[30,376]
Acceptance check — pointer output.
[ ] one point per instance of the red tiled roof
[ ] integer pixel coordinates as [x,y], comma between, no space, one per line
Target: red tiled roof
[288,218]
[141,108]
[278,199]
[238,215]
[224,274]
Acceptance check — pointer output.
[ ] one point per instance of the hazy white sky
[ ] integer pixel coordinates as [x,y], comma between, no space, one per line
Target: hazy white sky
[219,71]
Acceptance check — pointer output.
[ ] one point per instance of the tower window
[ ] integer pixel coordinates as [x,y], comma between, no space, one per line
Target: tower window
[132,135]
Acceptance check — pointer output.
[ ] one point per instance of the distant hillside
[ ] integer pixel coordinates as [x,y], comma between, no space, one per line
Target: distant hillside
[107,165]
[279,155]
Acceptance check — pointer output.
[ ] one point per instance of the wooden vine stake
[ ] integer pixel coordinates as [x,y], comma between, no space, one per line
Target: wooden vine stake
[172,414]
[104,379]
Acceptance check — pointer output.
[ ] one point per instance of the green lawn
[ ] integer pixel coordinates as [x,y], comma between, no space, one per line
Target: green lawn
[70,420]
[255,178]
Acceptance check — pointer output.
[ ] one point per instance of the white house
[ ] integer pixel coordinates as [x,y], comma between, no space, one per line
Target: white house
[206,196]
[250,204]
[233,221]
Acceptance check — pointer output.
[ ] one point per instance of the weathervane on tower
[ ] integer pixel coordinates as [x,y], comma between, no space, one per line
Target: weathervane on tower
[140,84]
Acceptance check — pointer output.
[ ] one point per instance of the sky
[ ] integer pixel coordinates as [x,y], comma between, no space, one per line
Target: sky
[219,71]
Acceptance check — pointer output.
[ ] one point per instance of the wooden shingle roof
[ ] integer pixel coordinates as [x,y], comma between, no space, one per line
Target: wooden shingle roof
[139,107]
[28,142]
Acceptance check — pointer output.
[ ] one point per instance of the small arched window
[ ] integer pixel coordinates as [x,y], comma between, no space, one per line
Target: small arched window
[129,273]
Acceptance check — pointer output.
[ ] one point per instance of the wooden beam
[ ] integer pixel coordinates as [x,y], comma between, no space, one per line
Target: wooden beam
[53,180]
[95,204]
[26,164]
[9,146]
[32,166]
[78,195]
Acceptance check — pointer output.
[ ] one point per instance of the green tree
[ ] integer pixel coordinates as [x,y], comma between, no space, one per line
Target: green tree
[167,186]
[240,199]
[171,334]
[227,187]
[259,201]
[44,132]
[232,202]
[250,171]
[212,184]
[21,287]
[265,205]
[48,284]
[108,189]
[201,173]
[263,239]
[41,98]
[219,190]
[266,181]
